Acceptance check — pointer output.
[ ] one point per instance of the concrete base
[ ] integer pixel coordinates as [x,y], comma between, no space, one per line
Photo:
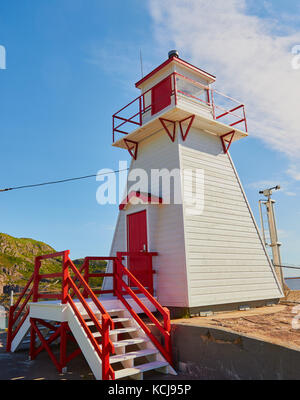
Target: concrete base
[184,312]
[209,353]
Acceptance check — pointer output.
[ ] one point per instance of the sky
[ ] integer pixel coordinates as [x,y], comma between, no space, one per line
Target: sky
[70,64]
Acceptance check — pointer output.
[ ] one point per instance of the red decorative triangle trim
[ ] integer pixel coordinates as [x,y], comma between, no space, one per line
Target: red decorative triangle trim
[228,142]
[184,135]
[132,149]
[171,135]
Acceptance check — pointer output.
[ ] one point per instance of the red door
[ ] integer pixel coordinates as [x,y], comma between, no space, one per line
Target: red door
[161,95]
[137,242]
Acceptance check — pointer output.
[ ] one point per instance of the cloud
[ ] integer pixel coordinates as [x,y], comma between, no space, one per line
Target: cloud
[294,172]
[251,59]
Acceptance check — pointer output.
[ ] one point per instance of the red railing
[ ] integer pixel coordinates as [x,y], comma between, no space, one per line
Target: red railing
[106,345]
[221,106]
[122,288]
[18,316]
[64,296]
[145,269]
[75,283]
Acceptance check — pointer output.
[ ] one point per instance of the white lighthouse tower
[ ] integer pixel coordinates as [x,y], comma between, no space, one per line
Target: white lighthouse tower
[210,255]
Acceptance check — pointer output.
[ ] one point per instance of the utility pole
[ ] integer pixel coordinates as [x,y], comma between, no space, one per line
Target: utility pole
[274,243]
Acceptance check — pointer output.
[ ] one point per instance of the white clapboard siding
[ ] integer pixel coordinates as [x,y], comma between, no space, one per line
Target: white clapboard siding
[226,259]
[165,223]
[213,258]
[118,244]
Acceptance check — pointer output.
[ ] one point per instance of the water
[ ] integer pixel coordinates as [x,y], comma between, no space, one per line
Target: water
[293,284]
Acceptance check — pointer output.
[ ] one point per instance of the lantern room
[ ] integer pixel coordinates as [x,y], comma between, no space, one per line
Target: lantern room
[178,92]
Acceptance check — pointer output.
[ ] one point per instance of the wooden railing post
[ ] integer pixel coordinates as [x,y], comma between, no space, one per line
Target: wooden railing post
[32,342]
[36,279]
[140,111]
[86,271]
[150,272]
[118,272]
[114,278]
[105,347]
[63,345]
[65,277]
[213,103]
[167,326]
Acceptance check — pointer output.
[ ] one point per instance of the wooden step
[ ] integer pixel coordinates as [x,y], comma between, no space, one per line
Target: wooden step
[85,315]
[123,373]
[115,320]
[118,331]
[131,355]
[129,342]
[115,310]
[121,319]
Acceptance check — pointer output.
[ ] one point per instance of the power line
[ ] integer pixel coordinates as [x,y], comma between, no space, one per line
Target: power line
[286,266]
[61,181]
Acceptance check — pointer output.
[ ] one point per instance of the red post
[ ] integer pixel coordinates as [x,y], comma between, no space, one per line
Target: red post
[105,347]
[246,125]
[86,273]
[140,110]
[63,344]
[36,279]
[150,272]
[113,124]
[32,342]
[213,104]
[167,326]
[65,277]
[114,278]
[118,272]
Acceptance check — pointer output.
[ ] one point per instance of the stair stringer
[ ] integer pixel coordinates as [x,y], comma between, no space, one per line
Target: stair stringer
[18,339]
[148,345]
[92,358]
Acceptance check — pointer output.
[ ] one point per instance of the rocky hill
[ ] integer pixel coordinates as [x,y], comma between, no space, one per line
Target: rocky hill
[17,257]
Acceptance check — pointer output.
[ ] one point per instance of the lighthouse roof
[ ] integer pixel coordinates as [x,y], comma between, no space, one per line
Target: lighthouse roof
[177,61]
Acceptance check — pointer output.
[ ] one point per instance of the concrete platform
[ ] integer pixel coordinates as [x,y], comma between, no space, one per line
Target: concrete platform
[259,344]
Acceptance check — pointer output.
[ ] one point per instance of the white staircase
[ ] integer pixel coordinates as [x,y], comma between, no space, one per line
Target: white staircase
[135,353]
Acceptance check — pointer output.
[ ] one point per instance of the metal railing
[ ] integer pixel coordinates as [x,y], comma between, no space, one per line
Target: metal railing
[222,108]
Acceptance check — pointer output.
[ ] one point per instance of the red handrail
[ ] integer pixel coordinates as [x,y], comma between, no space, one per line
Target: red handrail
[67,284]
[12,319]
[165,329]
[148,271]
[107,322]
[119,289]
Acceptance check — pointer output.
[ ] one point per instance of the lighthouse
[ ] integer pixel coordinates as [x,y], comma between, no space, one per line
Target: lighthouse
[185,240]
[195,217]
